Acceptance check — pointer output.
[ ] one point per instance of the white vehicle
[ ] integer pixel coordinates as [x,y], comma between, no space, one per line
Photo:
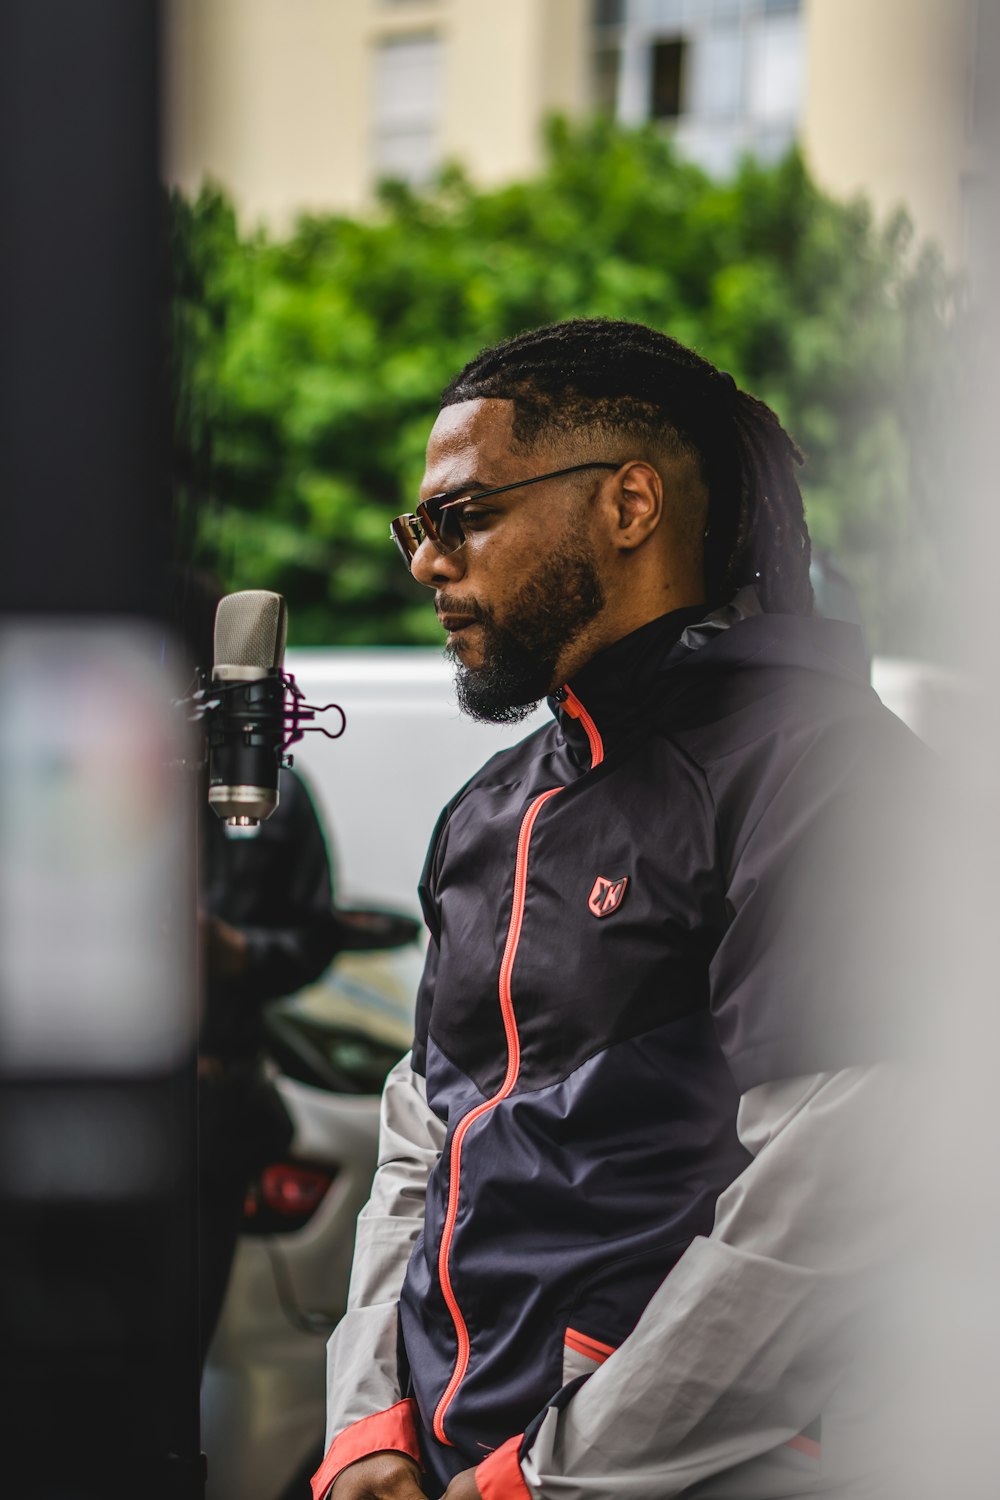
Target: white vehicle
[263,1387]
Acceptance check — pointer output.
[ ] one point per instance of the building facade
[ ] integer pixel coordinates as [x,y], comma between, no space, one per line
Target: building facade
[304,104]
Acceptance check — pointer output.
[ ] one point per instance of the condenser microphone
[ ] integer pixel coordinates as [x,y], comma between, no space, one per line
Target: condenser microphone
[247,729]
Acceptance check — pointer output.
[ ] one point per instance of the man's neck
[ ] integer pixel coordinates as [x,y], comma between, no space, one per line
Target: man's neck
[607,629]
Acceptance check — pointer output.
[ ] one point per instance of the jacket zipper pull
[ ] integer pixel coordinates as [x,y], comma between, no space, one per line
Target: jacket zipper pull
[567,702]
[572,706]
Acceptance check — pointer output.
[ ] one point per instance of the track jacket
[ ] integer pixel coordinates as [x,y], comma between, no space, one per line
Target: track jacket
[606,1249]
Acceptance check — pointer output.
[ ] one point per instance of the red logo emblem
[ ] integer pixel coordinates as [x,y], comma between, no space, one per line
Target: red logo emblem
[606,896]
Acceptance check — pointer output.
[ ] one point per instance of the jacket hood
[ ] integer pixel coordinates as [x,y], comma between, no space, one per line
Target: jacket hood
[667,659]
[741,633]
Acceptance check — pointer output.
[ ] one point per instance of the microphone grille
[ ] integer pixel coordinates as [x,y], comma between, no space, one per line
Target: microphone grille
[250,630]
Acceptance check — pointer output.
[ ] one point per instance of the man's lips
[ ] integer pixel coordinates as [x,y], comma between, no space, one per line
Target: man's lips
[454,622]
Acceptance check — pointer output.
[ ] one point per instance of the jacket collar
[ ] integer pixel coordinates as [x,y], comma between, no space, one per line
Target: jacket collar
[614,687]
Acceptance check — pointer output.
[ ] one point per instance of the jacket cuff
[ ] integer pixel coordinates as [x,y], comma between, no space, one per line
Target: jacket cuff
[393,1431]
[499,1477]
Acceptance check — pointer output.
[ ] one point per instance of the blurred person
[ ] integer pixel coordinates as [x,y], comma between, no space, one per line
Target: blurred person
[637,1175]
[268,927]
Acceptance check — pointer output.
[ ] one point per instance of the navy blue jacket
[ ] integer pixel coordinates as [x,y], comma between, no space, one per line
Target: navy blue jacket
[636,915]
[632,922]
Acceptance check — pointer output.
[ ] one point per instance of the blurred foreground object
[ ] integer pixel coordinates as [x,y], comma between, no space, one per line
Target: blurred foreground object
[92,855]
[947,1309]
[98,1355]
[97,983]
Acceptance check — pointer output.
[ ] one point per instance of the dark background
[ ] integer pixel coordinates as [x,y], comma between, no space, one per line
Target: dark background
[98,1381]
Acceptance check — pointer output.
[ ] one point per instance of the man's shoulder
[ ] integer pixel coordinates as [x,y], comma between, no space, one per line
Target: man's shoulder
[778,709]
[797,739]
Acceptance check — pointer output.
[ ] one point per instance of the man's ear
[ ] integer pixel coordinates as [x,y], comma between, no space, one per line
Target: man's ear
[638,501]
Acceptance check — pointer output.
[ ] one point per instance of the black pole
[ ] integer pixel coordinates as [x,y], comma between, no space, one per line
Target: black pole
[98,1331]
[80,275]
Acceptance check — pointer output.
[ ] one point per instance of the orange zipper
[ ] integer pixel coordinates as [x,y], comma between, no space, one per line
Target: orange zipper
[576,709]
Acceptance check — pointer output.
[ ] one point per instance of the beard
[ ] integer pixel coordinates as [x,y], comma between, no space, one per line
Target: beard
[519,658]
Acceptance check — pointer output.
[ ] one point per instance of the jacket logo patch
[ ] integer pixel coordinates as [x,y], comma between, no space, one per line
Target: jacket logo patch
[606,896]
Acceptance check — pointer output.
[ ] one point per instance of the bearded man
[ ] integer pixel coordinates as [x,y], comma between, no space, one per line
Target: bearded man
[621,1228]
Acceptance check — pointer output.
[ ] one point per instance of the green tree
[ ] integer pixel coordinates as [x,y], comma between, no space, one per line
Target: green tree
[308,368]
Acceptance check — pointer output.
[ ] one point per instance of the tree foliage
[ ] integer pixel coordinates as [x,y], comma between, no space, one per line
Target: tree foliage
[307,368]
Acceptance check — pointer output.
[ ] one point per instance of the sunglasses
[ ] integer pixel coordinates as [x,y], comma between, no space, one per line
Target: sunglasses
[438,519]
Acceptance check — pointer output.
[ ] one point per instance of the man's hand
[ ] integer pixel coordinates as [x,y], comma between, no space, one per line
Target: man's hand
[380,1476]
[463,1487]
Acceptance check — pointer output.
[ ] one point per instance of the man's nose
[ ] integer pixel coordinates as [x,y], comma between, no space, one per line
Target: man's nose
[434,568]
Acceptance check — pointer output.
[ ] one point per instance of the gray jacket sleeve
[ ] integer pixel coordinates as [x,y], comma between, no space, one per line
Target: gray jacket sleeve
[741,1347]
[361,1354]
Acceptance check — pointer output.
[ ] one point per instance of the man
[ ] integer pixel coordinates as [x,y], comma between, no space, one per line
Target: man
[621,1232]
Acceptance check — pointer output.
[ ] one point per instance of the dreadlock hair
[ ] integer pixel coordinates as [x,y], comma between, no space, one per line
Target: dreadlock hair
[631,382]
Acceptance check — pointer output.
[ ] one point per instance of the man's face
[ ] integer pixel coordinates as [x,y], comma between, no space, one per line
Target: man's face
[518,597]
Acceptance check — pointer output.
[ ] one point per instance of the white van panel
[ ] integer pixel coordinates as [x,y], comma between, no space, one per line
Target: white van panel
[405,752]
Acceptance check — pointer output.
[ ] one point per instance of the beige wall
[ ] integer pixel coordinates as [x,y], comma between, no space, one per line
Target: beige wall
[273,97]
[886,103]
[267,96]
[512,62]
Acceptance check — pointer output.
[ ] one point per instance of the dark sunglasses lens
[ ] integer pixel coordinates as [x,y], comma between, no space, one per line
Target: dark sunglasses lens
[443,524]
[449,528]
[407,533]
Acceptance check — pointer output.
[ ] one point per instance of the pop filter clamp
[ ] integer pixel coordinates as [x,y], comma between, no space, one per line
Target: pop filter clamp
[209,699]
[249,729]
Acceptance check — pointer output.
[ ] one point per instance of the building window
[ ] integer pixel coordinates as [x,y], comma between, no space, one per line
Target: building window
[716,71]
[725,75]
[774,74]
[664,15]
[608,18]
[406,96]
[667,79]
[609,12]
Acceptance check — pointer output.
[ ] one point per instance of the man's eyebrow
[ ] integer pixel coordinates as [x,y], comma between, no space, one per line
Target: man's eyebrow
[461,489]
